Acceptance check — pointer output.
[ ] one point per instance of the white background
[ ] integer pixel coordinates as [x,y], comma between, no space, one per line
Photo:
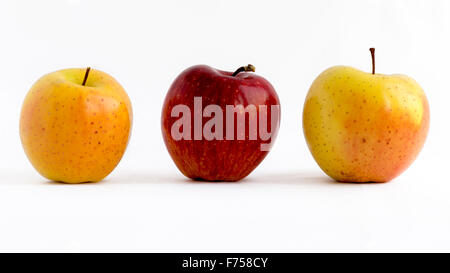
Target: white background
[287,203]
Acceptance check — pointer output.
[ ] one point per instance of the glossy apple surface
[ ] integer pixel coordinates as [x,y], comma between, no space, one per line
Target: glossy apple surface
[218,160]
[363,127]
[74,133]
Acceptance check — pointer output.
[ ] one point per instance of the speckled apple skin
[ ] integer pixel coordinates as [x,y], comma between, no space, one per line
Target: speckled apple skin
[217,160]
[73,133]
[363,127]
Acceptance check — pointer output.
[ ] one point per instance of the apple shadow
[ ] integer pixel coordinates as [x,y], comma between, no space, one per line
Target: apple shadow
[126,179]
[294,178]
[84,184]
[142,178]
[306,178]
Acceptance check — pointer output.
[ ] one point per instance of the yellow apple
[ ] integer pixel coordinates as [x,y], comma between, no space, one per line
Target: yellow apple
[75,125]
[364,127]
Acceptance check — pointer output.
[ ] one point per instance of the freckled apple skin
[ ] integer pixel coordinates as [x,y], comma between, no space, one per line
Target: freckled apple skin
[363,127]
[73,133]
[217,160]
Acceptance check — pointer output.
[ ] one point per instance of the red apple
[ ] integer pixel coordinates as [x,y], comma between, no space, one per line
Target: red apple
[219,125]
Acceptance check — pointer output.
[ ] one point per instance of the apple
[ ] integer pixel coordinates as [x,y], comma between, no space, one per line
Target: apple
[204,122]
[75,125]
[364,127]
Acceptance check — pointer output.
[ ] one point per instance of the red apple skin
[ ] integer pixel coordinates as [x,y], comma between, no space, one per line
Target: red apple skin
[217,160]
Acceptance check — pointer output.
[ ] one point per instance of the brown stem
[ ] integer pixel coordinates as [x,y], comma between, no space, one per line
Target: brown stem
[86,76]
[372,52]
[246,68]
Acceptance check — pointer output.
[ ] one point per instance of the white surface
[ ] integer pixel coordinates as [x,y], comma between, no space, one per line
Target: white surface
[287,203]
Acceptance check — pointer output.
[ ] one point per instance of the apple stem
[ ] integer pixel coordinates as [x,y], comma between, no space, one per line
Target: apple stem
[372,52]
[86,76]
[246,68]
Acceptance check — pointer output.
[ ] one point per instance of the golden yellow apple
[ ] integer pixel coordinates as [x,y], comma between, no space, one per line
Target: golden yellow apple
[75,125]
[364,127]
